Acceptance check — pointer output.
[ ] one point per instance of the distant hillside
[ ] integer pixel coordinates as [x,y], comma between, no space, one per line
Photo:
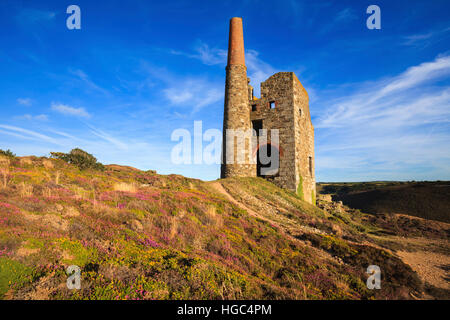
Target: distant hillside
[428,200]
[140,235]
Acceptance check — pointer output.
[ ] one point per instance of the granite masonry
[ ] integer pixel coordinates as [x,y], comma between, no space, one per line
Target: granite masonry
[282,108]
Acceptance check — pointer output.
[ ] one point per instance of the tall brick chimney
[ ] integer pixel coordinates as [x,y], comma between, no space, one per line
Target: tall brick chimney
[236,43]
[237,107]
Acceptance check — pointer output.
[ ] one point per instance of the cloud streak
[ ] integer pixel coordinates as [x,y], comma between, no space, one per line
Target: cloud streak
[388,129]
[422,40]
[40,117]
[195,93]
[83,77]
[257,70]
[108,148]
[384,97]
[27,134]
[24,101]
[70,111]
[34,16]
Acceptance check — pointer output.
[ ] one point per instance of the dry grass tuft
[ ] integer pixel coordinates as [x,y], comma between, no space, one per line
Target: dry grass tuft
[173,228]
[26,190]
[57,176]
[4,170]
[80,193]
[48,164]
[213,218]
[126,187]
[47,192]
[26,161]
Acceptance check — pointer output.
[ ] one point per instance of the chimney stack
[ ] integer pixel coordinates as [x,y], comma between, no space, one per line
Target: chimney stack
[236,109]
[236,43]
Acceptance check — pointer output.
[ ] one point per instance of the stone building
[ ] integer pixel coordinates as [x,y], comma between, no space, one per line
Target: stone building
[283,106]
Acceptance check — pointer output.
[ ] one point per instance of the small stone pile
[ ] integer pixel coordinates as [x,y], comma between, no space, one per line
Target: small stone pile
[326,203]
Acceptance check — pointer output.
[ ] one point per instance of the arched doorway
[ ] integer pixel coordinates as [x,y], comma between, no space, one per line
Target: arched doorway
[268,160]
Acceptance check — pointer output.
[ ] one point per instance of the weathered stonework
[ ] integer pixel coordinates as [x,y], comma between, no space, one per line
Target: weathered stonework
[284,105]
[236,113]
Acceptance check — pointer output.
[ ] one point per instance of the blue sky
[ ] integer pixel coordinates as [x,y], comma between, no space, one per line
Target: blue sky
[137,70]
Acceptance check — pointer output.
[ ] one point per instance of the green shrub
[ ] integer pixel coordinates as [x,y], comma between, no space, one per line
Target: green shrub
[7,153]
[80,158]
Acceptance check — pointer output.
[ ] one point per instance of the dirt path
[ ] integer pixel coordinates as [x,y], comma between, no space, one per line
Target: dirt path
[218,186]
[287,229]
[430,266]
[430,258]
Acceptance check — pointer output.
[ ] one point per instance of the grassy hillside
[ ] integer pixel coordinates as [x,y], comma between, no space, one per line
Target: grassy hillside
[140,235]
[429,200]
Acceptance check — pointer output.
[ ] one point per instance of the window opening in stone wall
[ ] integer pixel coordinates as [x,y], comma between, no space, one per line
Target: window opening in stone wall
[310,166]
[254,107]
[272,104]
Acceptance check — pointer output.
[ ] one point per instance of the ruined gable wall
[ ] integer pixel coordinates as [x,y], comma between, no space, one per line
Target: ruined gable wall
[304,143]
[279,88]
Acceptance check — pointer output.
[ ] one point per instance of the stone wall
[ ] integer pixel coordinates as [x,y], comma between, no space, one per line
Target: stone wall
[237,117]
[304,142]
[296,133]
[278,89]
[290,117]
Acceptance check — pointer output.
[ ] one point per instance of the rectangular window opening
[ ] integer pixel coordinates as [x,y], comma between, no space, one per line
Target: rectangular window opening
[254,107]
[310,166]
[272,104]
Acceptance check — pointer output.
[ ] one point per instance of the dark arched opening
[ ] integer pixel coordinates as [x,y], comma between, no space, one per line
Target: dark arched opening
[268,160]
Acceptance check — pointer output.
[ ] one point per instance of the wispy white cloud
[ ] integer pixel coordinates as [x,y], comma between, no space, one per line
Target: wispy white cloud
[194,93]
[109,138]
[107,147]
[338,21]
[386,95]
[395,128]
[82,76]
[24,101]
[206,54]
[27,134]
[32,16]
[346,14]
[186,92]
[257,69]
[40,117]
[68,110]
[425,39]
[415,38]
